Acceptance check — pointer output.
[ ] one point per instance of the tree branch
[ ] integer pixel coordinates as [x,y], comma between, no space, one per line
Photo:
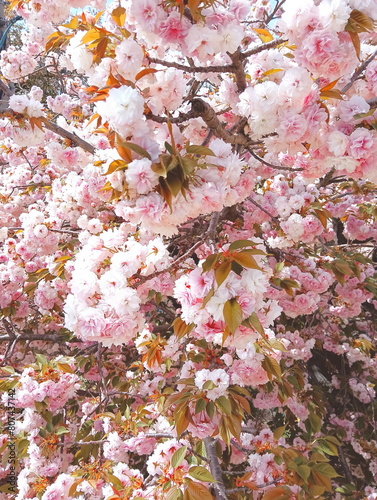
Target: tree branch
[30,337]
[227,68]
[239,70]
[86,146]
[262,209]
[205,111]
[175,264]
[219,487]
[372,102]
[265,46]
[358,72]
[277,167]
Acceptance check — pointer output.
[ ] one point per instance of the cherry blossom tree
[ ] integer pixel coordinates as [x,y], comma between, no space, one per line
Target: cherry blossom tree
[188,248]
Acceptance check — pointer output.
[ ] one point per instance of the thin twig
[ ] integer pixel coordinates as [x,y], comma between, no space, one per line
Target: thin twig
[261,208]
[358,72]
[277,7]
[175,264]
[265,46]
[277,167]
[228,68]
[346,469]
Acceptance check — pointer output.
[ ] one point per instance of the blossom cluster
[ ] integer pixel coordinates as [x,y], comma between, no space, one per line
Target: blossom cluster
[187,249]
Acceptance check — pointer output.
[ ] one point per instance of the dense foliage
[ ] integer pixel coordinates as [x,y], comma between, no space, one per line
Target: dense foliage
[188,248]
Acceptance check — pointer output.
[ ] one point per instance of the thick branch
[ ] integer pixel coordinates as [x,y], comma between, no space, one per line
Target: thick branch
[219,487]
[205,111]
[30,337]
[239,71]
[5,89]
[86,146]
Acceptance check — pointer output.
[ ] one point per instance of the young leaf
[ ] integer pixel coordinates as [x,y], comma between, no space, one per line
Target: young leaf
[210,261]
[241,244]
[200,150]
[245,259]
[119,16]
[221,273]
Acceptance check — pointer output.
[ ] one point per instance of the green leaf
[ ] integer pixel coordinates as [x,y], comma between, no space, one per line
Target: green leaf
[200,150]
[201,474]
[232,314]
[304,472]
[62,430]
[178,457]
[41,359]
[224,404]
[188,165]
[208,297]
[254,322]
[8,369]
[210,262]
[313,423]
[272,367]
[22,446]
[279,432]
[174,180]
[241,244]
[210,409]
[174,494]
[137,149]
[200,405]
[325,469]
[327,447]
[278,267]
